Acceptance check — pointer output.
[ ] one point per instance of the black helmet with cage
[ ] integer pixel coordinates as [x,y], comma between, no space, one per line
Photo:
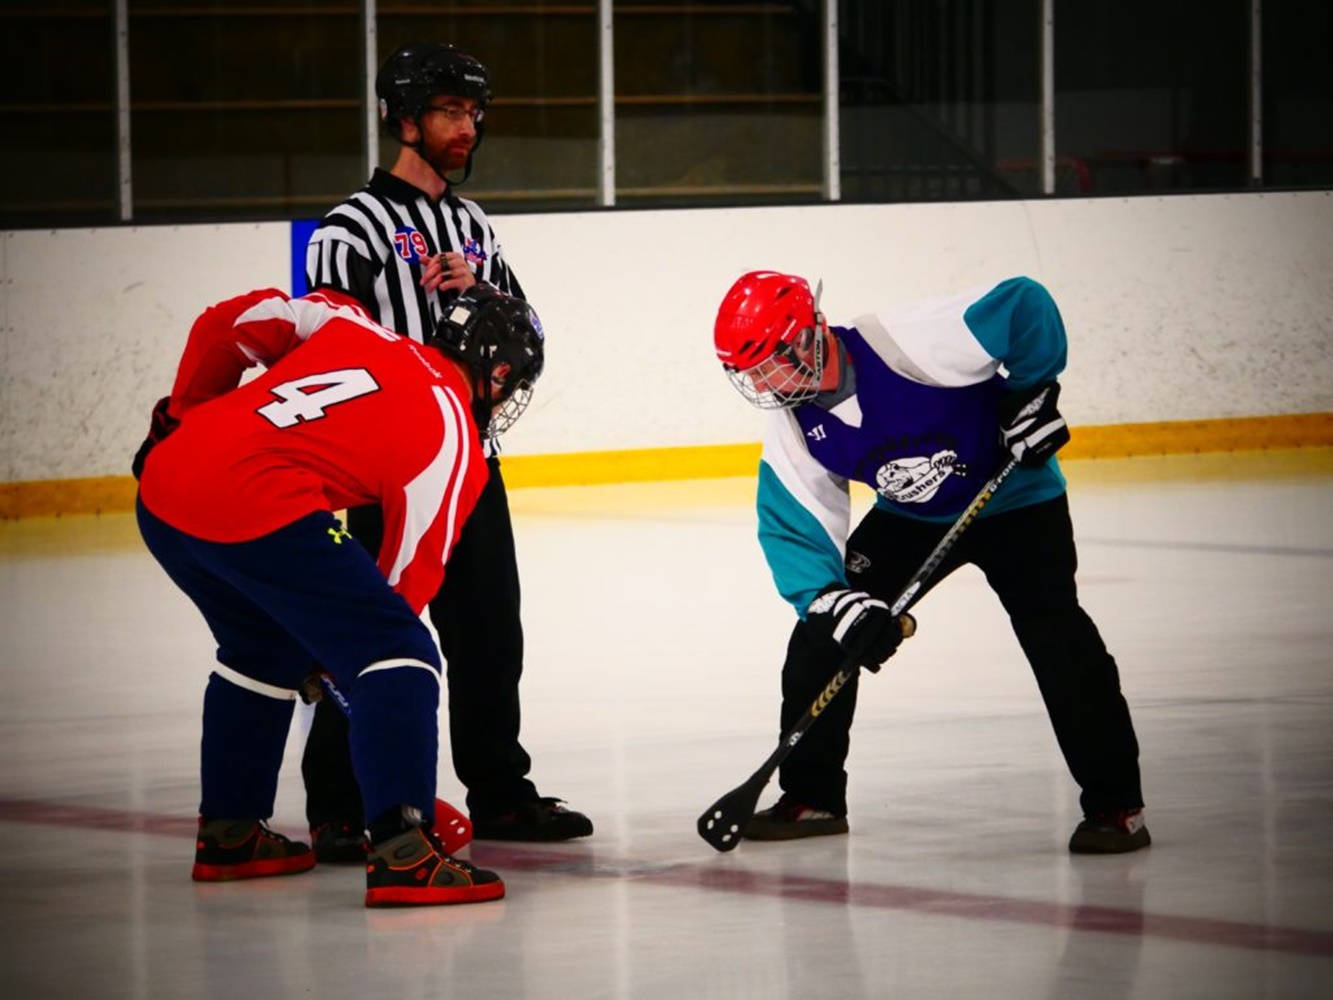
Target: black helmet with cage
[418,71]
[499,338]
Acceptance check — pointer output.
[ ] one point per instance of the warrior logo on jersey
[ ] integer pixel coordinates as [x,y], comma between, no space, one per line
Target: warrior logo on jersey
[916,480]
[473,253]
[410,244]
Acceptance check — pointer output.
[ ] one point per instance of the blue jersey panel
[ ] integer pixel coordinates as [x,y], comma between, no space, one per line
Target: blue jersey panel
[926,450]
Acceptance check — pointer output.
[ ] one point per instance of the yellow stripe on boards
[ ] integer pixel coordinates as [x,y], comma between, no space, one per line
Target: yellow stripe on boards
[586,468]
[1301,430]
[1108,441]
[113,494]
[59,497]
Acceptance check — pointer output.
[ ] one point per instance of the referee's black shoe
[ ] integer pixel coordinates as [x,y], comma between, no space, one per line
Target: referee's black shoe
[545,819]
[336,843]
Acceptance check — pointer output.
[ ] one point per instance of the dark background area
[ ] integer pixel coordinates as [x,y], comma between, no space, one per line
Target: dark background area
[256,110]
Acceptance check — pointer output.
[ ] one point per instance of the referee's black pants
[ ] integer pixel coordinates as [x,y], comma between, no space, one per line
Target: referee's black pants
[1029,560]
[476,614]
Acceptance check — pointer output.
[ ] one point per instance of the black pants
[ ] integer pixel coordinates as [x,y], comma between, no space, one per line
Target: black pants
[476,614]
[1029,561]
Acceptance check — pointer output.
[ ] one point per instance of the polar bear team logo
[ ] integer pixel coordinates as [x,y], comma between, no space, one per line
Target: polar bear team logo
[916,480]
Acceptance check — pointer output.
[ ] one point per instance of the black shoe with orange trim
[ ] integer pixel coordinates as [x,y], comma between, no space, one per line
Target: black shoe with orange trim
[228,849]
[412,869]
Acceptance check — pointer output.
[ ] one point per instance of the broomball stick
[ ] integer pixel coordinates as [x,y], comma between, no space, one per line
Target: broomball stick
[722,824]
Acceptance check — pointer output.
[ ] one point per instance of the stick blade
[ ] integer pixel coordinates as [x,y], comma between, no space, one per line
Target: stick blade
[723,823]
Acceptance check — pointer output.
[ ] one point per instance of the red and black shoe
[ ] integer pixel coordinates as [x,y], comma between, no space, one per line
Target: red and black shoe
[228,849]
[413,869]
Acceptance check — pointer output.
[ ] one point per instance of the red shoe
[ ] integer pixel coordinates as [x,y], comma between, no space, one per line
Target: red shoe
[452,827]
[413,869]
[228,849]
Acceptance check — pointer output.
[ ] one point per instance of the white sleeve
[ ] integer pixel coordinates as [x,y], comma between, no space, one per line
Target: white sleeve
[929,342]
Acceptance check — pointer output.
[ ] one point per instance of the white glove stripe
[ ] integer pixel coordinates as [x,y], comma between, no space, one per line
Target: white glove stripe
[1018,430]
[853,596]
[845,608]
[860,602]
[840,629]
[1046,430]
[847,597]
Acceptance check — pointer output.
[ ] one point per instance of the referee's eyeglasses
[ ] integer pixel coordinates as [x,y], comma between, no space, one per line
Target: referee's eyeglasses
[456,113]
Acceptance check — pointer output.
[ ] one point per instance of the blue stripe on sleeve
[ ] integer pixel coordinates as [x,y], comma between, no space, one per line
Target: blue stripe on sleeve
[801,555]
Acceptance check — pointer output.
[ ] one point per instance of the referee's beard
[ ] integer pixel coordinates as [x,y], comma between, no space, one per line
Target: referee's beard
[446,157]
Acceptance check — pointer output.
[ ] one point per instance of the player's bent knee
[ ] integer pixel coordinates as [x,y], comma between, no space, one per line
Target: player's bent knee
[406,648]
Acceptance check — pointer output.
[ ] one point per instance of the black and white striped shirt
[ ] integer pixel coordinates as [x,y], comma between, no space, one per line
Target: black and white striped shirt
[375,244]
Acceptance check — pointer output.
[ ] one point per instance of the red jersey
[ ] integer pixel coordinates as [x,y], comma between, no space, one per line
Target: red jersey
[347,413]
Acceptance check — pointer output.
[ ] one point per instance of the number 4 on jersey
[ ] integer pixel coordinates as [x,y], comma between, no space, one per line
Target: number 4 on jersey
[308,397]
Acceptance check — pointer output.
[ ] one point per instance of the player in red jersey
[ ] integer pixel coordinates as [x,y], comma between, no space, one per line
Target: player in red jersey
[236,497]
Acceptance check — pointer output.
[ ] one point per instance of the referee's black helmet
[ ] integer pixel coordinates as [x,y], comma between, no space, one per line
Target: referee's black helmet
[417,71]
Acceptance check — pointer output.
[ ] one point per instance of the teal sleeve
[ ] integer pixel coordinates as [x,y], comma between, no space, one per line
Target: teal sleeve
[1018,324]
[801,555]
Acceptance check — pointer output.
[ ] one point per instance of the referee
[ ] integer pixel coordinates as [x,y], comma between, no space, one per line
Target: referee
[405,245]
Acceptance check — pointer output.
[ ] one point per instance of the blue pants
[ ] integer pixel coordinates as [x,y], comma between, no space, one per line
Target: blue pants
[476,615]
[304,598]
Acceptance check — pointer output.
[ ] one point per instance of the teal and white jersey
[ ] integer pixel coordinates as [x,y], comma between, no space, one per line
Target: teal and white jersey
[919,426]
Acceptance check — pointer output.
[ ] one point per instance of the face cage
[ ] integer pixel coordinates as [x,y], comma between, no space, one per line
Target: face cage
[504,415]
[788,380]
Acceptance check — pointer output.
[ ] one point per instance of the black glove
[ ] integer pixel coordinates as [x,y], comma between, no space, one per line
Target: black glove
[159,427]
[1030,425]
[862,625]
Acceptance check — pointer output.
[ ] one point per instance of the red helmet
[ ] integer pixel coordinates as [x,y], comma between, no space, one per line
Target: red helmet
[761,310]
[766,336]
